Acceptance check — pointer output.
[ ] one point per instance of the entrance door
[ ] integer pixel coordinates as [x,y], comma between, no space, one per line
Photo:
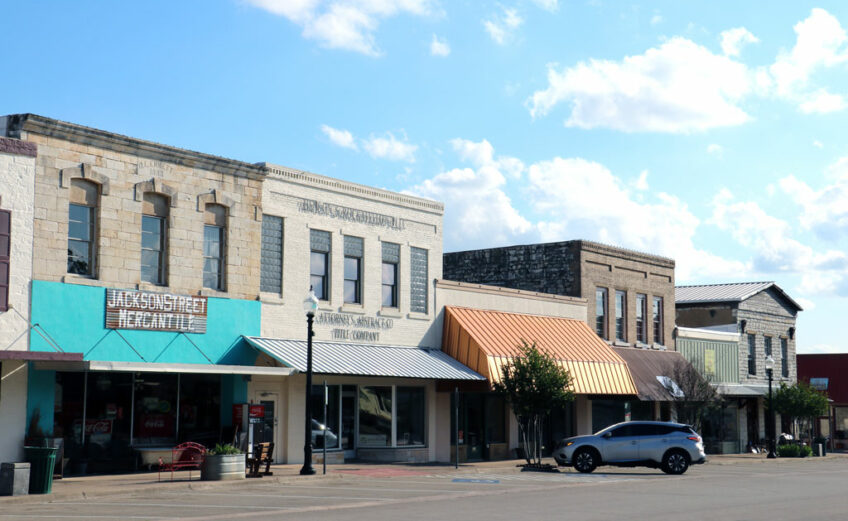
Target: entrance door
[348,414]
[266,431]
[475,425]
[753,423]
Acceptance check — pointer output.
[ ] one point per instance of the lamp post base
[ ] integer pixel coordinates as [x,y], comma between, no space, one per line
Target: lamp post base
[771,455]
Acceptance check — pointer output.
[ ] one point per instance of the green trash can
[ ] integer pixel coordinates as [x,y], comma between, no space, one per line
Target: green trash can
[42,460]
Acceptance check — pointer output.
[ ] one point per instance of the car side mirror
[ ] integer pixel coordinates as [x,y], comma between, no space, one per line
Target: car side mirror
[607,435]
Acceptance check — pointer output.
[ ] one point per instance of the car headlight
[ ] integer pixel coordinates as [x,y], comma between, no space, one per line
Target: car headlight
[568,444]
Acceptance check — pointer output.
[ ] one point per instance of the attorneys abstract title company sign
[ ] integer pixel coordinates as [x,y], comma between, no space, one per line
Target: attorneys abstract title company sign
[130,309]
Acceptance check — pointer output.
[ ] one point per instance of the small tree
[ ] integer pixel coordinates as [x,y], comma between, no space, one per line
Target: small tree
[693,395]
[533,384]
[800,402]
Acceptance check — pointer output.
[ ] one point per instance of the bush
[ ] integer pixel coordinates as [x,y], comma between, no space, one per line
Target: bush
[225,449]
[794,451]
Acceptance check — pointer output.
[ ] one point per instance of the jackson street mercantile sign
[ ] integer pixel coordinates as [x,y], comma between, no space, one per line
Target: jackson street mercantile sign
[130,309]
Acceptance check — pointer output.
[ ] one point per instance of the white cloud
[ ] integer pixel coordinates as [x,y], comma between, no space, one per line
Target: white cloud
[823,211]
[677,87]
[822,102]
[820,44]
[501,28]
[344,24]
[389,147]
[656,19]
[439,47]
[732,40]
[342,138]
[715,150]
[547,5]
[821,349]
[818,144]
[641,183]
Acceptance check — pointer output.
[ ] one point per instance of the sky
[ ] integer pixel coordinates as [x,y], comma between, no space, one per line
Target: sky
[709,132]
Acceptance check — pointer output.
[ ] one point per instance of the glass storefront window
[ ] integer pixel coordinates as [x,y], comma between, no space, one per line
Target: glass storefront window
[375,416]
[332,424]
[200,408]
[107,422]
[155,409]
[495,419]
[411,411]
[841,423]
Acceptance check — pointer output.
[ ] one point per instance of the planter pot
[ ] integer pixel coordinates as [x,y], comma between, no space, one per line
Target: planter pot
[223,467]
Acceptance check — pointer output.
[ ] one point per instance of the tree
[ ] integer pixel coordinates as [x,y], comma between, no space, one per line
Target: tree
[800,402]
[533,384]
[692,393]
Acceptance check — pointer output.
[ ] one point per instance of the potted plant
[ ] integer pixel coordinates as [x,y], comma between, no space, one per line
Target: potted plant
[223,462]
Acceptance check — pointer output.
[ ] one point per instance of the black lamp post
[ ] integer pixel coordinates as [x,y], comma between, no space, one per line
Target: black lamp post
[769,370]
[310,305]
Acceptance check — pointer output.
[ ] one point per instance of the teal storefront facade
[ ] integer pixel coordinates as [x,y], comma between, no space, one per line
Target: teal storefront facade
[135,389]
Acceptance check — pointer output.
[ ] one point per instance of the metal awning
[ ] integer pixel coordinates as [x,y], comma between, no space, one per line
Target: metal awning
[653,372]
[365,359]
[742,391]
[152,367]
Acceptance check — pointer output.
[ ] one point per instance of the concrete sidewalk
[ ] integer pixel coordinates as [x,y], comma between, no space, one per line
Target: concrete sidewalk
[82,487]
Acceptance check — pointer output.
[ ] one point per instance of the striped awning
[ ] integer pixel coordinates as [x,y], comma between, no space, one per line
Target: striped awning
[487,340]
[365,359]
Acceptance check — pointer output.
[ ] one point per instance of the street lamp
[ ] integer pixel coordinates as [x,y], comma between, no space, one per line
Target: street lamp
[310,305]
[769,370]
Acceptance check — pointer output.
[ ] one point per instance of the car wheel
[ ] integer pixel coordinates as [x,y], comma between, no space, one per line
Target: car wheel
[675,462]
[585,460]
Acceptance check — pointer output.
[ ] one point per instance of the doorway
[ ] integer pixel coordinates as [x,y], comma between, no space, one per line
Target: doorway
[266,430]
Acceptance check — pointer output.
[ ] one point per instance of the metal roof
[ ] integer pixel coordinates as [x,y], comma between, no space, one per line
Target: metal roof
[365,359]
[733,292]
[488,340]
[646,365]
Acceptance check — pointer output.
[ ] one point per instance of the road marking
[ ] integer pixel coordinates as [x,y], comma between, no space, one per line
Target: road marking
[62,516]
[167,505]
[466,480]
[281,496]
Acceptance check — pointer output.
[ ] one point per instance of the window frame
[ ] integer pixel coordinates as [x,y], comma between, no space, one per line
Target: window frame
[602,305]
[784,357]
[221,258]
[641,316]
[752,354]
[6,260]
[354,248]
[324,255]
[657,320]
[394,286]
[162,251]
[264,257]
[91,241]
[414,298]
[621,322]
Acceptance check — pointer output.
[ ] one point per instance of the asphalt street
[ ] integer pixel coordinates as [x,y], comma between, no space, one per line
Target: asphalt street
[784,490]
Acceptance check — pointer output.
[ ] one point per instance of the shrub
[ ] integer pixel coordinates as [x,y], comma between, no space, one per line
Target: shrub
[806,451]
[794,451]
[224,449]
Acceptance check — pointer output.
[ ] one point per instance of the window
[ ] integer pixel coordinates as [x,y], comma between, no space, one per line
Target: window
[418,280]
[81,227]
[641,312]
[375,416]
[214,238]
[5,254]
[621,316]
[601,312]
[411,407]
[752,354]
[391,258]
[658,320]
[271,261]
[784,357]
[353,270]
[319,263]
[154,209]
[767,345]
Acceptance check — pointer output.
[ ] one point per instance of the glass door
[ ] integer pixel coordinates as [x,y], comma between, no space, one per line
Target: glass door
[266,430]
[474,414]
[348,419]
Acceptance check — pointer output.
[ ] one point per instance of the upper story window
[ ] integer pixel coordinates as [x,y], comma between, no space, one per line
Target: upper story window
[5,256]
[767,346]
[82,226]
[658,320]
[752,354]
[641,313]
[391,259]
[621,316]
[319,263]
[154,226]
[601,312]
[784,357]
[418,276]
[214,246]
[271,260]
[353,248]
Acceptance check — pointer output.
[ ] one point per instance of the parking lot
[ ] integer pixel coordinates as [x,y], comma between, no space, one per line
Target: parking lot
[747,490]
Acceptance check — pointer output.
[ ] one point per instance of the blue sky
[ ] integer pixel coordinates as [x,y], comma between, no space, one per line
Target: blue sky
[710,132]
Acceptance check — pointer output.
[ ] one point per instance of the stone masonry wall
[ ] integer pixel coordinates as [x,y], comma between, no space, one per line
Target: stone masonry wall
[767,314]
[17,172]
[125,168]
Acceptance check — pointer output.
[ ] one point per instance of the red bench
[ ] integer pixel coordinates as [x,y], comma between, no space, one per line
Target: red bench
[185,456]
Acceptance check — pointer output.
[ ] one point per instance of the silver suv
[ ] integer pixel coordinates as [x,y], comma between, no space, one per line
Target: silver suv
[671,447]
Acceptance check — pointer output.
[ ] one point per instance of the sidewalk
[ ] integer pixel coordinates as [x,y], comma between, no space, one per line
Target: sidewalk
[82,487]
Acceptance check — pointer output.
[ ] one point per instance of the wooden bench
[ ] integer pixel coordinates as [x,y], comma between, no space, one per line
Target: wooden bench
[262,453]
[185,456]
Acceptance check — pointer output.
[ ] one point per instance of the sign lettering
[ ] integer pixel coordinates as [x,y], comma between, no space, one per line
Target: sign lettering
[130,309]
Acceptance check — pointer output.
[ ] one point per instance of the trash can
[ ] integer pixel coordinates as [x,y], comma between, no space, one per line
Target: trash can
[42,460]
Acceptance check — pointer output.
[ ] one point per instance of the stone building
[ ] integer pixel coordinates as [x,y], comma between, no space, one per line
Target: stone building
[630,294]
[756,320]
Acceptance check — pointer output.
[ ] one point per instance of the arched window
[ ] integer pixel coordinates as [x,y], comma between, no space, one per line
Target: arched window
[214,246]
[82,227]
[154,234]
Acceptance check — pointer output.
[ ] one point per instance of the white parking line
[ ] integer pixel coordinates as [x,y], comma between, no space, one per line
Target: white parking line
[182,505]
[282,496]
[63,516]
